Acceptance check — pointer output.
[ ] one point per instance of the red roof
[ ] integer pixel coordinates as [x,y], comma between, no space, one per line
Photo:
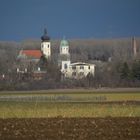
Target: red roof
[32,53]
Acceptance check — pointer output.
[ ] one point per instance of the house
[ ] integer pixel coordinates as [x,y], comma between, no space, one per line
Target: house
[38,74]
[79,70]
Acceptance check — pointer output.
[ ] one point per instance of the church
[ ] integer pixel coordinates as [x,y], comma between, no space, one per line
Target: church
[29,60]
[76,70]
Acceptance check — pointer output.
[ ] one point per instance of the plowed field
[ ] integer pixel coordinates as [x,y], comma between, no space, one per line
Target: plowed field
[119,128]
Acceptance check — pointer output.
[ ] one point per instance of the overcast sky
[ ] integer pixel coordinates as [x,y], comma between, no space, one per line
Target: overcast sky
[26,19]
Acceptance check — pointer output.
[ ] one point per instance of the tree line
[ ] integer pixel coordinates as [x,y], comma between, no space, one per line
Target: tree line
[114,60]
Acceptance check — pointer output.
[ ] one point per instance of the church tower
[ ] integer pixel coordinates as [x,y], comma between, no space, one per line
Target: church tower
[64,47]
[64,56]
[46,45]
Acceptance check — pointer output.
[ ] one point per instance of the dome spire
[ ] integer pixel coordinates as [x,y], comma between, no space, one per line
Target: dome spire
[45,37]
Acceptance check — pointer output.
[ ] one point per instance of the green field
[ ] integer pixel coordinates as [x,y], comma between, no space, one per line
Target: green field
[42,109]
[71,104]
[72,96]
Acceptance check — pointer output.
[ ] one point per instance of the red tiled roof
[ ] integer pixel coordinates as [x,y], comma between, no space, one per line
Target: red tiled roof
[32,53]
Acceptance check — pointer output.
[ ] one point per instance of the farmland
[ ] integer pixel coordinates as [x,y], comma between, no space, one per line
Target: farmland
[70,128]
[69,104]
[42,110]
[70,115]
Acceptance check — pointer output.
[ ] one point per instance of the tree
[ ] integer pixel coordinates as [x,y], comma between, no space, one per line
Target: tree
[90,79]
[135,72]
[124,71]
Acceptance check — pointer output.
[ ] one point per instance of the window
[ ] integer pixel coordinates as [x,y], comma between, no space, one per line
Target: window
[82,67]
[67,50]
[65,66]
[81,74]
[74,67]
[74,74]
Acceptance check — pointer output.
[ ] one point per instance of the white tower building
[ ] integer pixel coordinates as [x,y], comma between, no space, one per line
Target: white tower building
[46,45]
[64,56]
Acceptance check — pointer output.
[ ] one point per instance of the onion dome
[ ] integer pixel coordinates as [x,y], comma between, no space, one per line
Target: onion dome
[64,43]
[45,37]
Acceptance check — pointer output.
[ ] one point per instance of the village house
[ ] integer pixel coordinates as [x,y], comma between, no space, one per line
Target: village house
[80,69]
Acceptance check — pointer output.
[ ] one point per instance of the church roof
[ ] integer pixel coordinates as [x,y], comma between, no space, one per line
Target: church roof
[45,37]
[64,43]
[31,53]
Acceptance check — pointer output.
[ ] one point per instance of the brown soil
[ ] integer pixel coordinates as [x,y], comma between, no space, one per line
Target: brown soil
[70,129]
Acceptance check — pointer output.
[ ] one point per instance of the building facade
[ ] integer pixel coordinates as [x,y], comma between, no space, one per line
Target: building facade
[80,70]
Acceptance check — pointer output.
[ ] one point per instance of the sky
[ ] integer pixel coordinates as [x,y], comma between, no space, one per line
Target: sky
[74,19]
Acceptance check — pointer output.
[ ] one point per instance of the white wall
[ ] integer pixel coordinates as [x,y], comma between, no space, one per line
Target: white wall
[79,71]
[64,50]
[63,68]
[46,49]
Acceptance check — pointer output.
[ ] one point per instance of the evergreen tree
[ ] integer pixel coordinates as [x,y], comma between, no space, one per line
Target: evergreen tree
[124,71]
[136,70]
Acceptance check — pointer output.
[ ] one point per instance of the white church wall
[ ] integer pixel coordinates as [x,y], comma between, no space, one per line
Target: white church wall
[65,66]
[46,49]
[64,50]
